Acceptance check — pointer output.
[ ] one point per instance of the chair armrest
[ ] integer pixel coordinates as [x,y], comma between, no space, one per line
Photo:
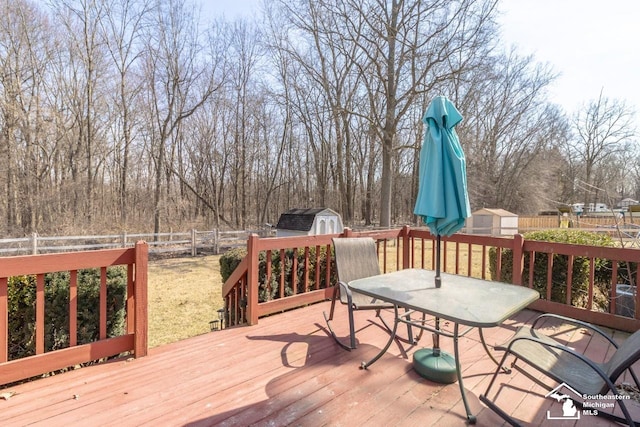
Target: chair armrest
[564,349]
[347,291]
[577,323]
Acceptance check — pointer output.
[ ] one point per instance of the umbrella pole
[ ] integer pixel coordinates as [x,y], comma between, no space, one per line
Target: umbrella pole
[436,336]
[432,363]
[438,280]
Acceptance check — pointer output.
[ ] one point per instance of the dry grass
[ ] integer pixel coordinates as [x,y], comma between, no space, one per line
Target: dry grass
[184,294]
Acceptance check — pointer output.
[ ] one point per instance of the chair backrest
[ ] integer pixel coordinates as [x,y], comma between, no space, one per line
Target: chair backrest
[624,357]
[356,258]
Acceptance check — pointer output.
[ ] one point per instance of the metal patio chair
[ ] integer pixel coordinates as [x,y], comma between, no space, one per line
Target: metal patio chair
[566,366]
[356,258]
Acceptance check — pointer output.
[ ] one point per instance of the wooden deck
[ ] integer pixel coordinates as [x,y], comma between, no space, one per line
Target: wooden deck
[285,371]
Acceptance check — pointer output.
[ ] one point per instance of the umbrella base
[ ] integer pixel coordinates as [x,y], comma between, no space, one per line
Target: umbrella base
[435,365]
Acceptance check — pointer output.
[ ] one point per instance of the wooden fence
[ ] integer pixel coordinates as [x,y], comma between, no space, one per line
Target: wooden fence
[540,222]
[191,242]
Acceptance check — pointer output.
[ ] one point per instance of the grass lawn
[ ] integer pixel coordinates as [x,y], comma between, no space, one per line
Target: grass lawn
[184,294]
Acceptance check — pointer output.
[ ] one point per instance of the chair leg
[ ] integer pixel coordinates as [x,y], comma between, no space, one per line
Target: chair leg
[333,302]
[499,411]
[352,333]
[329,318]
[410,340]
[487,401]
[420,330]
[352,328]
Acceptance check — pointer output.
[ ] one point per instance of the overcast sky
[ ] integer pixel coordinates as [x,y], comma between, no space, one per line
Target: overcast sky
[593,45]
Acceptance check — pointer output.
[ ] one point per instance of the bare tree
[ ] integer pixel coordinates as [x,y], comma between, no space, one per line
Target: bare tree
[121,31]
[393,52]
[508,128]
[25,51]
[121,103]
[635,174]
[180,82]
[413,47]
[604,129]
[325,67]
[81,20]
[243,45]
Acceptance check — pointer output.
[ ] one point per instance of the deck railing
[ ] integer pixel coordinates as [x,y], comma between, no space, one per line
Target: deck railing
[463,254]
[135,337]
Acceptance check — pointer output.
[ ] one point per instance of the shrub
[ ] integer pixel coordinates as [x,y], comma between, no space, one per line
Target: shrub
[22,311]
[230,260]
[300,257]
[21,306]
[580,279]
[271,290]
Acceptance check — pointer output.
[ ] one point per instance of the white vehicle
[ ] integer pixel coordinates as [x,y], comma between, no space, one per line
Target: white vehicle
[597,207]
[580,208]
[577,208]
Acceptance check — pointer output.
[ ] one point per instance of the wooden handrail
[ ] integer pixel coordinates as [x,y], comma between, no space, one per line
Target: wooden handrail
[410,250]
[235,277]
[135,338]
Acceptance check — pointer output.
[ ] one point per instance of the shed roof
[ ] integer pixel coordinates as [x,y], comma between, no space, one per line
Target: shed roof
[300,219]
[497,212]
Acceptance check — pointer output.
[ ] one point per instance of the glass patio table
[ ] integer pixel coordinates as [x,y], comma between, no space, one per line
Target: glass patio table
[466,301]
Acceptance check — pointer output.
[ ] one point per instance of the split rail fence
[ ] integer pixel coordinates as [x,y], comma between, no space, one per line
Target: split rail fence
[193,242]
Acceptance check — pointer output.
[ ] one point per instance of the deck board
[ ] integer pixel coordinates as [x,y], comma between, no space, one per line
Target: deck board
[284,371]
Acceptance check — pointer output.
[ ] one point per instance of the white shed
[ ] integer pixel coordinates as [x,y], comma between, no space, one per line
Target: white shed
[625,203]
[308,222]
[494,222]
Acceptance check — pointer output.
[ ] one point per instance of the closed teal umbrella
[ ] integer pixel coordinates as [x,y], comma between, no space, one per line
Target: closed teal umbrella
[442,200]
[443,204]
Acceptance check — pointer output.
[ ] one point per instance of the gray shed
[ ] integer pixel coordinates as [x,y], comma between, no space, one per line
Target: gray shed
[495,222]
[308,222]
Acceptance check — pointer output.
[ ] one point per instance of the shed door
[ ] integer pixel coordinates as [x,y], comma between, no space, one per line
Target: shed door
[323,227]
[482,224]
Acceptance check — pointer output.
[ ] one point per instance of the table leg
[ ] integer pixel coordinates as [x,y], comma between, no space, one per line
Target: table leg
[365,365]
[491,356]
[471,419]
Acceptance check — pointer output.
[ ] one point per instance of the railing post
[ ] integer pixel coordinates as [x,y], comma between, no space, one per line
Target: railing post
[518,259]
[194,249]
[141,330]
[4,320]
[406,245]
[124,238]
[347,232]
[252,279]
[34,243]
